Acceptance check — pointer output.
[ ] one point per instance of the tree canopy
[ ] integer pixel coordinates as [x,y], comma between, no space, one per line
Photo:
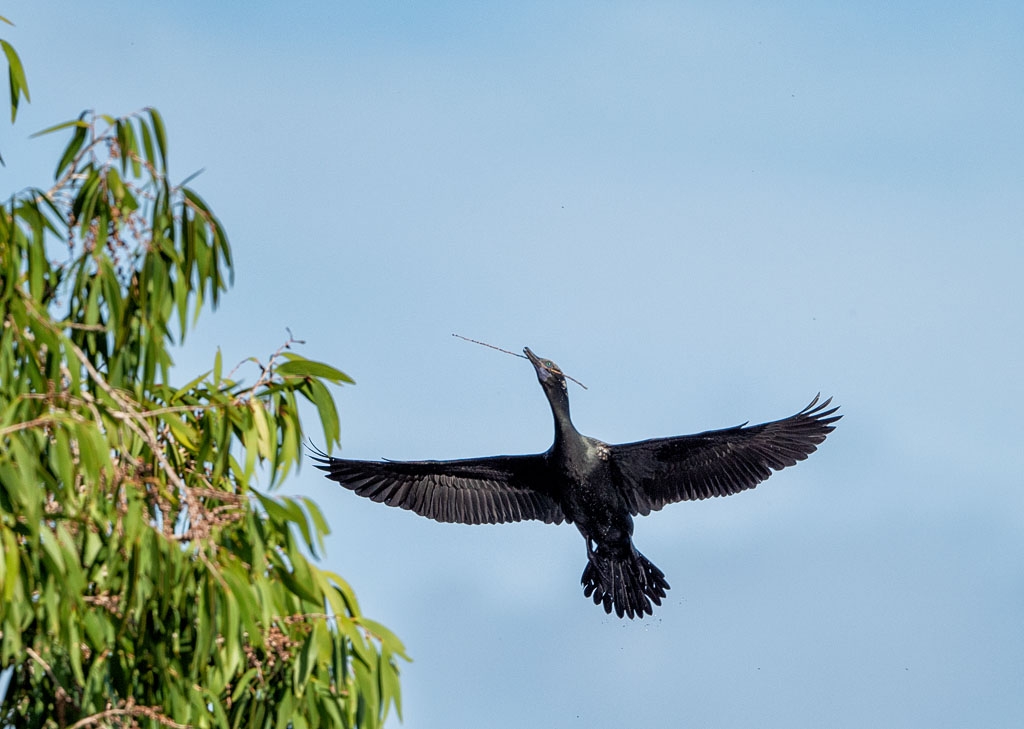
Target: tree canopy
[145,581]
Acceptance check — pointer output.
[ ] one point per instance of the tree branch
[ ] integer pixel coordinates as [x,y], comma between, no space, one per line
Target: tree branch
[130,709]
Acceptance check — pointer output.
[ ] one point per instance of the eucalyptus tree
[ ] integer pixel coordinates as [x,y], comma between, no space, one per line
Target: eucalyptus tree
[145,581]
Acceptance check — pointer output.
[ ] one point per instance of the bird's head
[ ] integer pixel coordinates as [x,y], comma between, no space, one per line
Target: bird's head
[548,373]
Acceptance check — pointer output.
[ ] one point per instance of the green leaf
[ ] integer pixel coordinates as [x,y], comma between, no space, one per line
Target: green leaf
[188,388]
[9,579]
[161,136]
[390,691]
[319,522]
[128,149]
[363,652]
[259,416]
[319,395]
[37,268]
[218,365]
[93,545]
[299,580]
[301,367]
[80,123]
[308,658]
[183,434]
[147,143]
[16,74]
[298,517]
[115,185]
[74,649]
[345,591]
[95,628]
[285,711]
[250,443]
[188,193]
[72,150]
[386,637]
[51,549]
[85,202]
[90,452]
[273,509]
[61,456]
[243,684]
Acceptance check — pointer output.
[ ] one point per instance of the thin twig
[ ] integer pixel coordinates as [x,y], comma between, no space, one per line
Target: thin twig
[130,710]
[267,373]
[28,424]
[485,344]
[46,667]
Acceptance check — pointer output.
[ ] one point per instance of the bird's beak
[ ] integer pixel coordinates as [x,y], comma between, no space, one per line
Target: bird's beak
[544,373]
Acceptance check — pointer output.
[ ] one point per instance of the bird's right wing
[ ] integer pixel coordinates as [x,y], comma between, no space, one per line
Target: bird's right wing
[718,462]
[471,491]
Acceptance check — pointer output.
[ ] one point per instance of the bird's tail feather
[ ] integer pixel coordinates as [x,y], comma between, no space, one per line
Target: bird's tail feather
[629,583]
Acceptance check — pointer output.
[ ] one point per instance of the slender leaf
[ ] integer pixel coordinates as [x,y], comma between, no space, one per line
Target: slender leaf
[78,140]
[74,123]
[160,135]
[301,367]
[16,73]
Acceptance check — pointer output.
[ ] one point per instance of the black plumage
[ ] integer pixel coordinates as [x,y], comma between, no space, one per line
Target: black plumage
[594,485]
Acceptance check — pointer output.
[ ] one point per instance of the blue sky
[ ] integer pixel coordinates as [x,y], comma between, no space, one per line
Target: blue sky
[706,213]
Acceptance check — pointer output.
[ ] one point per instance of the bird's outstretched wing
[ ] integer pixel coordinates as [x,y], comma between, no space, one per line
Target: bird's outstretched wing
[471,491]
[717,462]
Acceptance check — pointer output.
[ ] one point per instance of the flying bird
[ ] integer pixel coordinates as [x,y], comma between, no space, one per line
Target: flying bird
[596,486]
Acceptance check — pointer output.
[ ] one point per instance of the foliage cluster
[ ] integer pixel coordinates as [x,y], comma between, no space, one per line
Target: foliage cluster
[144,580]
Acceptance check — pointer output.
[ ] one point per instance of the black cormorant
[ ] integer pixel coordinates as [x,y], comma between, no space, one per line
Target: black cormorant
[594,485]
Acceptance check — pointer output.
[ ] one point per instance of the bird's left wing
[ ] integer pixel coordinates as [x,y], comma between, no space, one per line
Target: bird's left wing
[472,491]
[717,462]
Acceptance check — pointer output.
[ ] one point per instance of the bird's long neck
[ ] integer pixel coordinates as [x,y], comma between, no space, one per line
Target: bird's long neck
[565,431]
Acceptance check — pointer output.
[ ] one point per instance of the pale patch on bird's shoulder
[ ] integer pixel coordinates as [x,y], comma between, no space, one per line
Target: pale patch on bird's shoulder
[600,449]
